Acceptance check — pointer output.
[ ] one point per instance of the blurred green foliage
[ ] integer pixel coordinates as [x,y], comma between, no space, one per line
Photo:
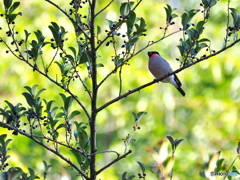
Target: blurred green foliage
[207,118]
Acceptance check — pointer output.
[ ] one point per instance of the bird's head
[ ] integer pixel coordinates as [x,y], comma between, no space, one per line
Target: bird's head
[150,53]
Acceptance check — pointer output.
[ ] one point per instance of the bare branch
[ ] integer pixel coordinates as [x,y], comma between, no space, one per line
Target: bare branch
[104,8]
[107,151]
[114,161]
[167,75]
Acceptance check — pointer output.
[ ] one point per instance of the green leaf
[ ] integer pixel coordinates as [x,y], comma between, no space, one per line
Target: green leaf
[12,17]
[60,126]
[177,142]
[70,58]
[73,114]
[29,99]
[32,174]
[238,148]
[142,23]
[77,156]
[73,51]
[13,7]
[234,14]
[27,34]
[203,45]
[219,164]
[39,92]
[84,58]
[171,140]
[125,8]
[212,3]
[181,49]
[142,166]
[130,25]
[131,177]
[185,20]
[205,4]
[234,169]
[99,30]
[200,27]
[100,65]
[7,3]
[124,176]
[168,11]
[192,13]
[68,104]
[83,139]
[46,166]
[132,17]
[55,31]
[203,40]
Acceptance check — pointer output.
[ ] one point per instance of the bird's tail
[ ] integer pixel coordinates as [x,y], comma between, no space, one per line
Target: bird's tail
[181,91]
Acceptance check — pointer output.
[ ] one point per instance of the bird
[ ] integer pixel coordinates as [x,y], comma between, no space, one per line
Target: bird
[159,67]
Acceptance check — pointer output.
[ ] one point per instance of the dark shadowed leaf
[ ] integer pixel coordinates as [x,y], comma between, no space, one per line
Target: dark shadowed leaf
[13,7]
[124,176]
[7,3]
[125,8]
[142,166]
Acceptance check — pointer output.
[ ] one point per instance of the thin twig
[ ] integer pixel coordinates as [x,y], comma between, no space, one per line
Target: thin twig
[118,25]
[21,57]
[46,147]
[231,166]
[120,81]
[114,161]
[167,75]
[52,60]
[227,30]
[71,19]
[107,151]
[104,8]
[150,43]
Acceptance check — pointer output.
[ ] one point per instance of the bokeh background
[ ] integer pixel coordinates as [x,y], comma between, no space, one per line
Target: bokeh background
[207,118]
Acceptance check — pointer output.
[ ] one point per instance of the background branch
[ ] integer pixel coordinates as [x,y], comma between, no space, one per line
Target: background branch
[167,75]
[46,147]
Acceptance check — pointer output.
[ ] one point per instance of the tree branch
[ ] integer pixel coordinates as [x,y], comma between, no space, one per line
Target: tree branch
[71,19]
[114,161]
[118,25]
[104,8]
[49,78]
[150,43]
[46,147]
[92,123]
[167,75]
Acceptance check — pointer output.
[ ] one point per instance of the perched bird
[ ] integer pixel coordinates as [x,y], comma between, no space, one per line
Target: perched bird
[159,67]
